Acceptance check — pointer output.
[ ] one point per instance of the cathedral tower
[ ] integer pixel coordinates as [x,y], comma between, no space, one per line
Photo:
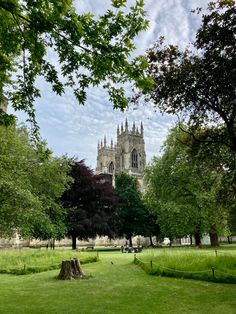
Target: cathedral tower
[128,155]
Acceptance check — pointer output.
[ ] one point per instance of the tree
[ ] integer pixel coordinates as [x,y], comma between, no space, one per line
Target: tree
[89,204]
[31,183]
[185,193]
[49,181]
[198,84]
[88,51]
[131,217]
[223,161]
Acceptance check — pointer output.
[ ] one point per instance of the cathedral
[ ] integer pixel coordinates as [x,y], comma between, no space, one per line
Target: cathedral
[126,155]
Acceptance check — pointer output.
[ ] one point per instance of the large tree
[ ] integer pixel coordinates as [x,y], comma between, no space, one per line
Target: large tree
[199,83]
[87,50]
[184,192]
[89,204]
[31,183]
[131,217]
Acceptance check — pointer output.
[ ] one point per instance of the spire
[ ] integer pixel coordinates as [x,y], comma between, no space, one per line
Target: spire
[98,145]
[122,129]
[118,130]
[101,144]
[111,143]
[133,130]
[105,141]
[126,125]
[137,131]
[141,128]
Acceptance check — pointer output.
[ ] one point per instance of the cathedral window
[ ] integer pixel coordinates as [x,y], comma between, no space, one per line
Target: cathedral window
[134,158]
[111,167]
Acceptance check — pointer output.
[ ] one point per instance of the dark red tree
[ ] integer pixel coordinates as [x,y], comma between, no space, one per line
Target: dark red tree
[89,203]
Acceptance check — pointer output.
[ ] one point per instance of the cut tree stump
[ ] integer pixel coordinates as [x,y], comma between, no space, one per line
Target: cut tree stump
[71,269]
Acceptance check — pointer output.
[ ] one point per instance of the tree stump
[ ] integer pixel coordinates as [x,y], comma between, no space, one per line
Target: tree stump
[71,269]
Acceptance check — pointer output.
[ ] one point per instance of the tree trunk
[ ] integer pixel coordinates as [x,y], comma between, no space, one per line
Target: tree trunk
[151,243]
[214,237]
[130,242]
[71,269]
[197,238]
[73,242]
[191,240]
[52,244]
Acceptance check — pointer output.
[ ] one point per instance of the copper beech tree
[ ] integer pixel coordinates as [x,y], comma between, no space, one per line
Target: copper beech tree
[89,203]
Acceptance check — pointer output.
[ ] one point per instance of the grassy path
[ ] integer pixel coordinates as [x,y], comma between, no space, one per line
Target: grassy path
[117,287]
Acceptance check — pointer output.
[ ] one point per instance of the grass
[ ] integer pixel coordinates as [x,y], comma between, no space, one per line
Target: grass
[117,287]
[27,261]
[207,264]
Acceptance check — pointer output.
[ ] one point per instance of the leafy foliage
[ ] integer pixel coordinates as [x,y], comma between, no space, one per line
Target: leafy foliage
[89,204]
[31,182]
[88,51]
[198,84]
[183,192]
[131,217]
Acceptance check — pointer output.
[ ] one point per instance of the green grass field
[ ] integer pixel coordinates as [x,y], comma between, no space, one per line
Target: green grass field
[205,264]
[116,286]
[26,261]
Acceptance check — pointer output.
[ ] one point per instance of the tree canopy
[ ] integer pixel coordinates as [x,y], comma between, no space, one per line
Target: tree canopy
[89,204]
[31,183]
[131,217]
[199,83]
[87,50]
[184,193]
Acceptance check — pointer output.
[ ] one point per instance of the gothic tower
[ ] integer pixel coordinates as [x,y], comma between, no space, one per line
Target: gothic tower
[105,158]
[128,155]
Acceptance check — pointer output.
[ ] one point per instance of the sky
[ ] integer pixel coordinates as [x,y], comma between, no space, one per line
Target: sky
[72,129]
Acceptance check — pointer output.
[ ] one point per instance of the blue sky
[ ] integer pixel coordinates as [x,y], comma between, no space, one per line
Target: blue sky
[75,130]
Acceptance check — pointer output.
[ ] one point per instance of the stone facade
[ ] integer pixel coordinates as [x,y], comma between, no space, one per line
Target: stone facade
[126,155]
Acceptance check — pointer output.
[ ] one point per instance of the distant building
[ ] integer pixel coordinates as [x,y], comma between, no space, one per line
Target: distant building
[126,155]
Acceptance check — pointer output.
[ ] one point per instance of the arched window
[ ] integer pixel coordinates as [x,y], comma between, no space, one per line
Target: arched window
[134,158]
[111,167]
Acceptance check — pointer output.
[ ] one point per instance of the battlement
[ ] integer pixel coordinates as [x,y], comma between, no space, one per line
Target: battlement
[127,155]
[121,130]
[102,145]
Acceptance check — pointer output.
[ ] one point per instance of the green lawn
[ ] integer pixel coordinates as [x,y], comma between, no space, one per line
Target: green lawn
[205,264]
[25,261]
[117,287]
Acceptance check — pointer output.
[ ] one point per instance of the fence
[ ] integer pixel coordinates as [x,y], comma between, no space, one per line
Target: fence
[211,274]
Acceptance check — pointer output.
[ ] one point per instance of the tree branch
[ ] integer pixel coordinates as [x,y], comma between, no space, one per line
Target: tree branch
[203,141]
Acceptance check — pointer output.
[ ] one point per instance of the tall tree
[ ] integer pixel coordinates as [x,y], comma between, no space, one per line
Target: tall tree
[131,217]
[199,83]
[31,182]
[89,204]
[88,50]
[223,161]
[184,193]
